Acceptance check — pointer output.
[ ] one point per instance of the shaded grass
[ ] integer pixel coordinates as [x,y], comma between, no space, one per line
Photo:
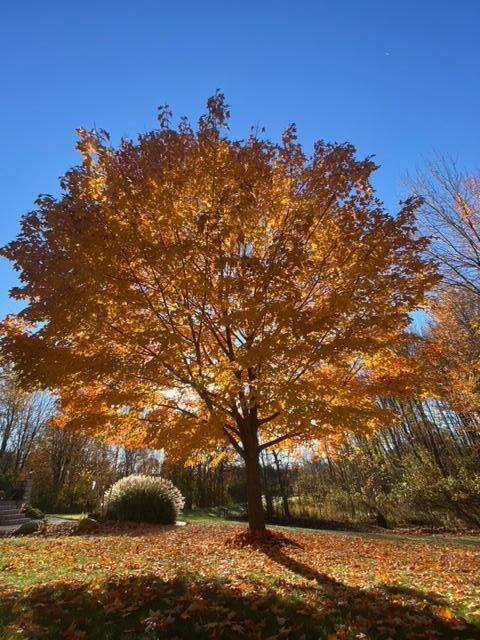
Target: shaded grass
[189,606]
[148,607]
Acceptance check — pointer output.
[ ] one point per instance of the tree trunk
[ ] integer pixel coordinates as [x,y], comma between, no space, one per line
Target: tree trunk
[256,516]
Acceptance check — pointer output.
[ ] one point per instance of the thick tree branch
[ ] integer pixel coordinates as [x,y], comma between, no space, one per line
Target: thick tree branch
[233,442]
[275,441]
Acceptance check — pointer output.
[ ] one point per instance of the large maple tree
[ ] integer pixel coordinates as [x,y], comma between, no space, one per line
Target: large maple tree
[188,290]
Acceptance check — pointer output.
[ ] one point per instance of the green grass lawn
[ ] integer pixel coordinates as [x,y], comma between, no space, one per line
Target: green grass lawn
[213,514]
[210,514]
[65,516]
[187,582]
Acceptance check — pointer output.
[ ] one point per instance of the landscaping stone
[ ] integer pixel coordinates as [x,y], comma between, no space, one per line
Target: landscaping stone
[29,526]
[85,525]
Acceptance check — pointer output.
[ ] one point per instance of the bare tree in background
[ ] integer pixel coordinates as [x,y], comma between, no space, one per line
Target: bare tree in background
[451,215]
[22,417]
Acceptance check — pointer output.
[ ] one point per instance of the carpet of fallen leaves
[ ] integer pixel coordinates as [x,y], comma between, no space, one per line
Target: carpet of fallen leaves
[191,582]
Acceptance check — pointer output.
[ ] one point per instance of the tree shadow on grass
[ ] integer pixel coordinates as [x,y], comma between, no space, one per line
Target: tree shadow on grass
[191,606]
[384,612]
[414,594]
[147,607]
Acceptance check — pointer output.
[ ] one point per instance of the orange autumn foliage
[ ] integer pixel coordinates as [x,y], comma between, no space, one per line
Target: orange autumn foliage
[189,290]
[453,349]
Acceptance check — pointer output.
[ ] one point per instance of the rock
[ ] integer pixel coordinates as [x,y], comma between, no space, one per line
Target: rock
[85,525]
[94,516]
[30,526]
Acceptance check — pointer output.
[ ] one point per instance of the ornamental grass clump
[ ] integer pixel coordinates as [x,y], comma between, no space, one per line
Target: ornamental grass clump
[142,498]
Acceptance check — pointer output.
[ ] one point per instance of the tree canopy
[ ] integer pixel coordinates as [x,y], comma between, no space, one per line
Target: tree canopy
[188,290]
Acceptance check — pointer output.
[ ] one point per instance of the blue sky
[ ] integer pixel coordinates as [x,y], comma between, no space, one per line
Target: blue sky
[399,79]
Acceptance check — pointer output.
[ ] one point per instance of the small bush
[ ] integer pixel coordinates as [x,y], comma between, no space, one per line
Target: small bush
[32,512]
[440,498]
[143,499]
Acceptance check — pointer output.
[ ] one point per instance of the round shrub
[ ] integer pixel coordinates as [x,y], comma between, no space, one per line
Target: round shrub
[33,512]
[142,498]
